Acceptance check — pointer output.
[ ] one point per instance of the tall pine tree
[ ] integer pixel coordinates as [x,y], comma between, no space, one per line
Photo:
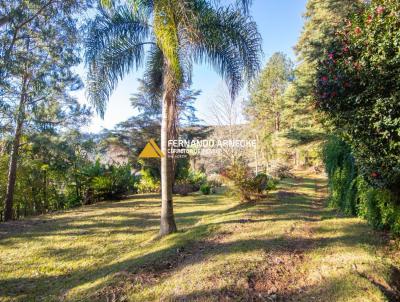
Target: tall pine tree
[38,47]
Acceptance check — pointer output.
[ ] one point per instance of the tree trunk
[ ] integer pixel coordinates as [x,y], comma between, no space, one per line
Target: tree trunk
[256,154]
[12,167]
[277,121]
[168,225]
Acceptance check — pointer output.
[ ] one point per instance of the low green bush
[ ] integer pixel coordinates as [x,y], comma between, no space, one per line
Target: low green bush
[115,181]
[271,184]
[148,183]
[205,189]
[189,179]
[247,185]
[196,178]
[378,207]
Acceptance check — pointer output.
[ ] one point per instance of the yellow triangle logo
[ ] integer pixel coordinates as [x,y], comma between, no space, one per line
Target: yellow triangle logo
[151,151]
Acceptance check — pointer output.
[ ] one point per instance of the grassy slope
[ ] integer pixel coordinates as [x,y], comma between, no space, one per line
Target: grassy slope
[288,247]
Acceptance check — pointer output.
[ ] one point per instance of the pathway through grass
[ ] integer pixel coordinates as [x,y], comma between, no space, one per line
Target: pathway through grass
[286,248]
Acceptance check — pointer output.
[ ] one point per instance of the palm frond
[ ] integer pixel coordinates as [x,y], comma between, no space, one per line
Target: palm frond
[154,71]
[230,42]
[142,5]
[242,5]
[166,31]
[114,45]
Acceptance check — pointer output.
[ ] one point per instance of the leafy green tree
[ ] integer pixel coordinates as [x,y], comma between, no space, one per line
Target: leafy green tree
[267,106]
[322,19]
[357,88]
[35,71]
[267,99]
[180,33]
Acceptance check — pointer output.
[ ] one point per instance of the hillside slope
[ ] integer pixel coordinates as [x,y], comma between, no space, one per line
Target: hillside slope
[286,248]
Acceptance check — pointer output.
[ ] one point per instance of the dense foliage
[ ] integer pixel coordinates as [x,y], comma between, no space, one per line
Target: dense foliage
[57,172]
[349,72]
[358,90]
[285,126]
[352,194]
[36,78]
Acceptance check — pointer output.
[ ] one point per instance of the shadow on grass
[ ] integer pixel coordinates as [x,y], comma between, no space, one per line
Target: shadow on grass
[82,222]
[169,258]
[294,207]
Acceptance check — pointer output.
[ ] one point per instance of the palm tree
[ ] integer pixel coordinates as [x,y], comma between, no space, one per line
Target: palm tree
[168,36]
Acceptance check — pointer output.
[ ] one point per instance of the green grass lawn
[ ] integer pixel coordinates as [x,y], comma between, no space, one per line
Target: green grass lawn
[286,248]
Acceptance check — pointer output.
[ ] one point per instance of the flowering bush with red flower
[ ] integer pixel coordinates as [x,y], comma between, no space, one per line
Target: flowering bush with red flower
[358,90]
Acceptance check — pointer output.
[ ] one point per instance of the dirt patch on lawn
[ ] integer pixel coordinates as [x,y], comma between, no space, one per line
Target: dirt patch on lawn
[280,278]
[154,272]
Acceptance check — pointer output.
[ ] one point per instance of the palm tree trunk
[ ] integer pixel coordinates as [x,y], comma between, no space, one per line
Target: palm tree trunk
[168,225]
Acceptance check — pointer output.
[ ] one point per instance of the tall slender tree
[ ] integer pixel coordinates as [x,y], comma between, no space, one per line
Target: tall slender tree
[34,70]
[175,34]
[268,92]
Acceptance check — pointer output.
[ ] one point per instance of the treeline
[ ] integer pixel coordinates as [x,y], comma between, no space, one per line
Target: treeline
[59,171]
[350,73]
[47,162]
[287,130]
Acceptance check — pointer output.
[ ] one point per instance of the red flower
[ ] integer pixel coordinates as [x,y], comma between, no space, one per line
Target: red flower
[345,49]
[380,10]
[324,79]
[330,56]
[374,174]
[358,30]
[369,20]
[357,65]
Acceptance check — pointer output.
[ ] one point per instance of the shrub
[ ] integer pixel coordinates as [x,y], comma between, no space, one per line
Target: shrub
[341,170]
[148,182]
[196,178]
[192,179]
[114,182]
[205,189]
[378,207]
[247,185]
[215,180]
[271,184]
[259,183]
[280,170]
[102,186]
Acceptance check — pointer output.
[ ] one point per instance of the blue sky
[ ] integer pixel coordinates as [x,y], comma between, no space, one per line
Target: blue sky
[279,22]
